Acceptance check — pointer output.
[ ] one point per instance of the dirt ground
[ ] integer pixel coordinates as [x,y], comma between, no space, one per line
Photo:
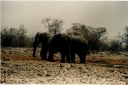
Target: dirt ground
[19,67]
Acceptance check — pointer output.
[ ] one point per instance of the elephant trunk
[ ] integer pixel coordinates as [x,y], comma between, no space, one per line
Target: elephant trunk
[34,48]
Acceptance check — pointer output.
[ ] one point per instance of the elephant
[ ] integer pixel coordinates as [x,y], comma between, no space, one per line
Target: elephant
[79,46]
[68,46]
[51,44]
[42,38]
[59,43]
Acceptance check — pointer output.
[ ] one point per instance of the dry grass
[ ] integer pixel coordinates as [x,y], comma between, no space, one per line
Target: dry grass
[19,67]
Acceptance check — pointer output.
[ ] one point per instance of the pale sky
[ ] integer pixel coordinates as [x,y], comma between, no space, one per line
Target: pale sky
[112,15]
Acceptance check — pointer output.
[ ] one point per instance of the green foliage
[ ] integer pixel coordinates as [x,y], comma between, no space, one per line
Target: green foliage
[54,25]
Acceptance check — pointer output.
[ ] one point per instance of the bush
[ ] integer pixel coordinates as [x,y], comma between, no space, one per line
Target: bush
[15,37]
[115,46]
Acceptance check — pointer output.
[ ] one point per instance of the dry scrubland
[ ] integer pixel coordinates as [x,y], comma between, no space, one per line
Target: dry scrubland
[18,66]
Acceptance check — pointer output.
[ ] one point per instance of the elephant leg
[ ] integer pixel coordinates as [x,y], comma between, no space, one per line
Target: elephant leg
[84,58]
[68,57]
[34,48]
[34,51]
[43,54]
[81,58]
[62,57]
[73,57]
[50,56]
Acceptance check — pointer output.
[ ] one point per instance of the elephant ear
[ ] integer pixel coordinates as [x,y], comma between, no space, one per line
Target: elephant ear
[38,37]
[33,40]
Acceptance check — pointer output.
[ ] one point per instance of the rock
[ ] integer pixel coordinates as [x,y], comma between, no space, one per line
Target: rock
[118,66]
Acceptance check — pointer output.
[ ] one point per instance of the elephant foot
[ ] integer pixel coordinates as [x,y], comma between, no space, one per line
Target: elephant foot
[43,58]
[69,61]
[73,62]
[33,56]
[82,62]
[62,61]
[51,60]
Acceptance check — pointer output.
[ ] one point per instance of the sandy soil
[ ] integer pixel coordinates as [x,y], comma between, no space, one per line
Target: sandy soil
[19,67]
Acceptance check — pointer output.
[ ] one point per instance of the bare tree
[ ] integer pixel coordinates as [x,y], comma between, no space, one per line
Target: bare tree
[21,33]
[54,25]
[125,38]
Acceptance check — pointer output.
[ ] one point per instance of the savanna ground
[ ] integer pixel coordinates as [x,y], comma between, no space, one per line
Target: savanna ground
[19,67]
